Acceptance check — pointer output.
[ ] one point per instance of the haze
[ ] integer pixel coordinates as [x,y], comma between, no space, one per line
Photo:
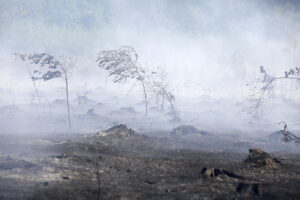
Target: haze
[210,49]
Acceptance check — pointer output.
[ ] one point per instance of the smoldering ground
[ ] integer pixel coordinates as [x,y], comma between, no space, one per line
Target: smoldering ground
[211,52]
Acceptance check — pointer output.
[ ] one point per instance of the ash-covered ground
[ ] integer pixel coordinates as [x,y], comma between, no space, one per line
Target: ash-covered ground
[120,163]
[208,91]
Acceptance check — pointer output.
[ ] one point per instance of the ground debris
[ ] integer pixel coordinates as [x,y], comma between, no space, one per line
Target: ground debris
[284,135]
[259,158]
[288,137]
[186,130]
[132,168]
[215,172]
[119,130]
[149,182]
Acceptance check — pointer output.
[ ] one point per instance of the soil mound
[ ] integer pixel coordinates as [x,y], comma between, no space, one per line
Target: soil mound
[10,109]
[275,136]
[120,130]
[90,114]
[128,109]
[186,130]
[259,158]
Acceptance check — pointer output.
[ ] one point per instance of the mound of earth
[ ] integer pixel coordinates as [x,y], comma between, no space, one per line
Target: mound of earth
[84,100]
[10,109]
[90,118]
[275,136]
[59,101]
[118,130]
[186,130]
[175,120]
[128,109]
[90,114]
[259,158]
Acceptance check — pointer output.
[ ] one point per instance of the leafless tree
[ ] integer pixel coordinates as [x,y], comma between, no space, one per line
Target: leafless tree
[159,86]
[266,85]
[81,97]
[23,58]
[48,67]
[81,93]
[158,81]
[123,65]
[67,64]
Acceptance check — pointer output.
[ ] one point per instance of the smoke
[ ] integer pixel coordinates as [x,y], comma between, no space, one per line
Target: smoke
[216,44]
[208,47]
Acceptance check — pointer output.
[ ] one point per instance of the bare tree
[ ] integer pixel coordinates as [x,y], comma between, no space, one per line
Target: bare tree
[123,64]
[159,86]
[267,85]
[67,64]
[158,82]
[37,95]
[48,67]
[81,93]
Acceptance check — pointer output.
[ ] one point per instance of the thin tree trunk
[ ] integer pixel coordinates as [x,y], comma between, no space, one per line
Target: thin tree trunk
[146,100]
[162,102]
[157,101]
[34,85]
[67,95]
[171,103]
[173,109]
[36,91]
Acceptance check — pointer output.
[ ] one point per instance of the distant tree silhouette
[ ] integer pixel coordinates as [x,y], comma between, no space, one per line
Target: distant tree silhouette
[47,67]
[159,86]
[267,85]
[122,64]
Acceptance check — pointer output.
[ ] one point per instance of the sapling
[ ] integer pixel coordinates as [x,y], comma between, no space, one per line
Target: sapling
[47,67]
[122,64]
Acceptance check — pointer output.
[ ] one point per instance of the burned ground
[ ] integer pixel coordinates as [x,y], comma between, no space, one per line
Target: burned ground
[135,166]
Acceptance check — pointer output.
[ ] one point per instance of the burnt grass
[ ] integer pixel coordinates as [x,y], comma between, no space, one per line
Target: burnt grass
[134,167]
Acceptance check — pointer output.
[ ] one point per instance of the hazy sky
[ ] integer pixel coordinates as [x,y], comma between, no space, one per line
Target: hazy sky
[208,46]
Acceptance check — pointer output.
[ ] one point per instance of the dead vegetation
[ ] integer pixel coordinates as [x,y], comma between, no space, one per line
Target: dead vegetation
[215,172]
[289,137]
[187,130]
[259,158]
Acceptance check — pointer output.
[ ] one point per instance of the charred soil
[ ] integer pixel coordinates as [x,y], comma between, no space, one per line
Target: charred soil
[133,166]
